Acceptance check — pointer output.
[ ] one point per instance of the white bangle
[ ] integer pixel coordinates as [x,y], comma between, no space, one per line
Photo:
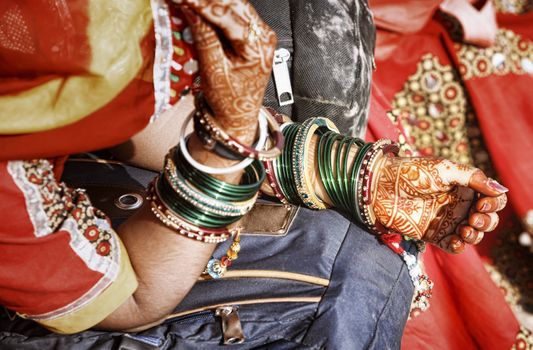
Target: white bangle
[263,136]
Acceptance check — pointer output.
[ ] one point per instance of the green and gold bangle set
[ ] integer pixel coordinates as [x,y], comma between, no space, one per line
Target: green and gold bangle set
[347,183]
[199,206]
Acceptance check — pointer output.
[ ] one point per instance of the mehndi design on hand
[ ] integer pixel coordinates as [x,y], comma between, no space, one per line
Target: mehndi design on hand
[236,60]
[431,199]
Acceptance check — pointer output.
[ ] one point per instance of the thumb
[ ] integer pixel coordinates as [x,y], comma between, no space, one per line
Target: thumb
[487,186]
[474,178]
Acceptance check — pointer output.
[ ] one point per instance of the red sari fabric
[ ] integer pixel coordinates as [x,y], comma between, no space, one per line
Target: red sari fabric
[62,263]
[46,41]
[468,311]
[504,108]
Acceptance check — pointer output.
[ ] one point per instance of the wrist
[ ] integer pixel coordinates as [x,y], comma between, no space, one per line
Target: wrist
[242,127]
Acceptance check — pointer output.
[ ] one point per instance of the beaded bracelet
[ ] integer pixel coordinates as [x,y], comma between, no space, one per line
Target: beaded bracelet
[217,267]
[263,135]
[355,188]
[300,158]
[273,182]
[271,165]
[211,145]
[180,225]
[213,133]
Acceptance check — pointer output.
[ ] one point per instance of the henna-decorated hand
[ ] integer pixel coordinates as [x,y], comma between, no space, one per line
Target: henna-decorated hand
[431,199]
[235,49]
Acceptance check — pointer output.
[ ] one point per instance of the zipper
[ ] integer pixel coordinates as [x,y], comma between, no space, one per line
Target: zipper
[202,315]
[231,324]
[282,78]
[232,332]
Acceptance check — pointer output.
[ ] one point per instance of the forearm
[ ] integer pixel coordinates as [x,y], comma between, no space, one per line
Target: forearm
[166,264]
[148,148]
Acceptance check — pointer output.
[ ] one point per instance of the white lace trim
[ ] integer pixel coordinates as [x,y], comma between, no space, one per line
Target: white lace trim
[163,57]
[32,197]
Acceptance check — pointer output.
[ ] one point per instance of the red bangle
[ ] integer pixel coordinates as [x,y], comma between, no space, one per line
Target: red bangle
[217,134]
[273,181]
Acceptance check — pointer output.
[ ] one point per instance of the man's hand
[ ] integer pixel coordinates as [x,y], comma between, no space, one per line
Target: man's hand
[236,67]
[432,199]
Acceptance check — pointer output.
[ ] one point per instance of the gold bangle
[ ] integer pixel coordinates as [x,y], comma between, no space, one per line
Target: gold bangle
[300,166]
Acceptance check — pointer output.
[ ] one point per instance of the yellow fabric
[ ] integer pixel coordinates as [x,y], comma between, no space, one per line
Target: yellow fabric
[102,306]
[115,30]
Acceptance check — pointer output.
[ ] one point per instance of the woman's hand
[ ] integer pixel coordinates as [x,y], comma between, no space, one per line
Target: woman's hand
[431,199]
[235,49]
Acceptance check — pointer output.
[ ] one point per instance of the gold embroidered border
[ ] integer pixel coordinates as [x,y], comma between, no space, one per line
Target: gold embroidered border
[524,340]
[511,53]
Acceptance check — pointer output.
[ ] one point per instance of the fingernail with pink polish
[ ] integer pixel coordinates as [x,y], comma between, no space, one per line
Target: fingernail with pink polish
[496,186]
[485,207]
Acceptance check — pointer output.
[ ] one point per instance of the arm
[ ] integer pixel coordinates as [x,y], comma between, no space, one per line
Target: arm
[166,264]
[422,198]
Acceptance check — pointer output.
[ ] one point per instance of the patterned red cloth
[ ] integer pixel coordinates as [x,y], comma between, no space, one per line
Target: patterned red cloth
[62,263]
[434,87]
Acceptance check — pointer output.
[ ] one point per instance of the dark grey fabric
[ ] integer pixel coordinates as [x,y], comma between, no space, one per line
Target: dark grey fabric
[331,45]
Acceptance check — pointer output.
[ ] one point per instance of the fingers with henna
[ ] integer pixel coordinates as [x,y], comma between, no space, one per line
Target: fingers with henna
[239,23]
[456,245]
[487,186]
[464,175]
[484,222]
[491,204]
[469,234]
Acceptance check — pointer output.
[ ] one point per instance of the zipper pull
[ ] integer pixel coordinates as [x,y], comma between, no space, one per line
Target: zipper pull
[231,324]
[282,78]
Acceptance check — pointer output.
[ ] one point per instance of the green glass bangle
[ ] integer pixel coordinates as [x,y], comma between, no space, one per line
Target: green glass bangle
[283,165]
[346,179]
[326,166]
[187,211]
[321,155]
[198,198]
[252,179]
[247,188]
[344,146]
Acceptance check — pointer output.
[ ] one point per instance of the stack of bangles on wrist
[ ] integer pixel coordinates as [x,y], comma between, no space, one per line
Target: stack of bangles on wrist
[348,183]
[189,199]
[215,139]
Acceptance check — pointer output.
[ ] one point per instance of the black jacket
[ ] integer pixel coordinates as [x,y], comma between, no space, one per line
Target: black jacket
[331,44]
